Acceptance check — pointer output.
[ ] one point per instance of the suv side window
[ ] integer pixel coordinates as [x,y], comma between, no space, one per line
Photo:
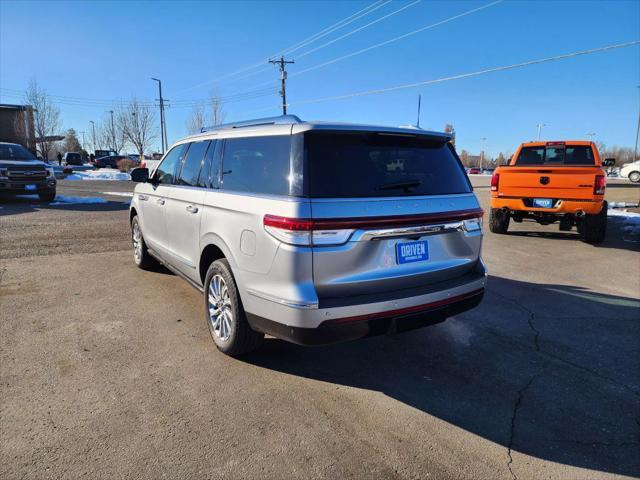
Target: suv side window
[167,168]
[257,164]
[192,164]
[210,171]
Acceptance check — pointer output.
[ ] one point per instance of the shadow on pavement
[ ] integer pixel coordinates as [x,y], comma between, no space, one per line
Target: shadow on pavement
[26,204]
[545,370]
[617,237]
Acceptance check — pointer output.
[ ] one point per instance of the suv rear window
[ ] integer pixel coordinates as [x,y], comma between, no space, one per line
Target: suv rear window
[380,165]
[556,155]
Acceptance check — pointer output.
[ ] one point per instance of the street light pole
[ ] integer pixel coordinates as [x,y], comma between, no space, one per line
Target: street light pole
[540,125]
[635,151]
[93,126]
[483,139]
[113,133]
[163,128]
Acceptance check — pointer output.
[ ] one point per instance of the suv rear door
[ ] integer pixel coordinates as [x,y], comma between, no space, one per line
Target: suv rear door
[404,198]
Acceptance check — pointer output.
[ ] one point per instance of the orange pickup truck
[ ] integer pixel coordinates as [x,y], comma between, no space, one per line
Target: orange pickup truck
[552,181]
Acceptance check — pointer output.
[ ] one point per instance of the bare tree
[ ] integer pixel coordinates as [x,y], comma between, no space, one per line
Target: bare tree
[71,142]
[111,135]
[46,118]
[217,114]
[200,119]
[197,120]
[137,122]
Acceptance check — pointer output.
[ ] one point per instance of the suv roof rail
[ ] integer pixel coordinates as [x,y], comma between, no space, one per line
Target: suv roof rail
[280,120]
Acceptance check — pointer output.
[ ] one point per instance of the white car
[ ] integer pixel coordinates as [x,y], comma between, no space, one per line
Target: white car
[631,171]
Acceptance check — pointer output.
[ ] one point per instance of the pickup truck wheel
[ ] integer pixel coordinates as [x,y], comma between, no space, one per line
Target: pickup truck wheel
[47,195]
[594,227]
[498,221]
[225,315]
[141,256]
[634,177]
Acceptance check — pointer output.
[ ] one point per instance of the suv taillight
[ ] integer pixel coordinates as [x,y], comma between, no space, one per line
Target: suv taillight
[600,185]
[495,180]
[303,232]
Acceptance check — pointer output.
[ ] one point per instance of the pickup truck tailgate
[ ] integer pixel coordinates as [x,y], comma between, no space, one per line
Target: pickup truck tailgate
[544,182]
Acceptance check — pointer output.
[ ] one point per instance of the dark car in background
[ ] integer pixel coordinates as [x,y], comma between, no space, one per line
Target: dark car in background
[72,158]
[23,174]
[111,161]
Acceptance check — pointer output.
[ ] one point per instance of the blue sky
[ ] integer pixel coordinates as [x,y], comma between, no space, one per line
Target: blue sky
[108,50]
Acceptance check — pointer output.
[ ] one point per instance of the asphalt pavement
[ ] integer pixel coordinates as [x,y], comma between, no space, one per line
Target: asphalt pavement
[107,371]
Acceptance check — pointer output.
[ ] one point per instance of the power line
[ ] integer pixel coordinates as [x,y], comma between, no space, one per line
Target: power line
[463,75]
[395,39]
[326,31]
[387,42]
[348,34]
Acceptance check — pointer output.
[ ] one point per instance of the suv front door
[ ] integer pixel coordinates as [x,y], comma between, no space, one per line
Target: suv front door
[153,198]
[184,208]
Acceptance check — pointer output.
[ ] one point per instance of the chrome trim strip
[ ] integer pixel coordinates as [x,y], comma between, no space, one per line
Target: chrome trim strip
[282,301]
[412,231]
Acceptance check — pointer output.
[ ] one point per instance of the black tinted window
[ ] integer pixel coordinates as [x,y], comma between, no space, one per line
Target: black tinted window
[192,163]
[211,166]
[9,151]
[377,165]
[556,155]
[167,169]
[257,164]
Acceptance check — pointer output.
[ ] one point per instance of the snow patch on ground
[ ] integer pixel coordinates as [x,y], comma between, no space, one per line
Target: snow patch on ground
[65,200]
[118,194]
[631,220]
[102,174]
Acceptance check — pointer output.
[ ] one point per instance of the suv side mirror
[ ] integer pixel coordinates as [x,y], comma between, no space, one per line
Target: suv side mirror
[140,175]
[609,162]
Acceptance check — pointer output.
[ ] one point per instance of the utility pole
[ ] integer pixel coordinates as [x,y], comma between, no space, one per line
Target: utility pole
[540,125]
[113,133]
[93,126]
[419,102]
[635,151]
[482,152]
[283,78]
[163,126]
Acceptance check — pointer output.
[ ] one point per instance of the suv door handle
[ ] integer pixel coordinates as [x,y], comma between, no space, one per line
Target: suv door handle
[160,201]
[192,209]
[144,198]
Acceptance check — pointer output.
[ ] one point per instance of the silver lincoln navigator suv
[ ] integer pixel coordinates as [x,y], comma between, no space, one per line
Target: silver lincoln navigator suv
[313,232]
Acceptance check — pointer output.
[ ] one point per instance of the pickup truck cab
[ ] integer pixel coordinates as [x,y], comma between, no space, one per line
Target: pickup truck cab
[550,182]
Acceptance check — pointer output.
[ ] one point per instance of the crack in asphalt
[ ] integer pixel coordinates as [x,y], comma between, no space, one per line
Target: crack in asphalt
[536,342]
[530,319]
[514,416]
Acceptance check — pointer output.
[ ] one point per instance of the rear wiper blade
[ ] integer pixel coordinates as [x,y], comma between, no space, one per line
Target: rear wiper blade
[400,185]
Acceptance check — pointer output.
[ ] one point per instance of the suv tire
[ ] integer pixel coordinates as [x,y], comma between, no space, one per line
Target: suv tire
[141,256]
[498,221]
[594,227]
[47,196]
[634,177]
[229,328]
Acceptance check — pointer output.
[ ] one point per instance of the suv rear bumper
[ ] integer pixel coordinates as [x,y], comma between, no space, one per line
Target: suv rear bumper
[367,315]
[561,206]
[352,328]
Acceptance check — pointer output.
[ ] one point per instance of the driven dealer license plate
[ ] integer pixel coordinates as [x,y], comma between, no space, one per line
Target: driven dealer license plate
[412,251]
[542,202]
[30,188]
